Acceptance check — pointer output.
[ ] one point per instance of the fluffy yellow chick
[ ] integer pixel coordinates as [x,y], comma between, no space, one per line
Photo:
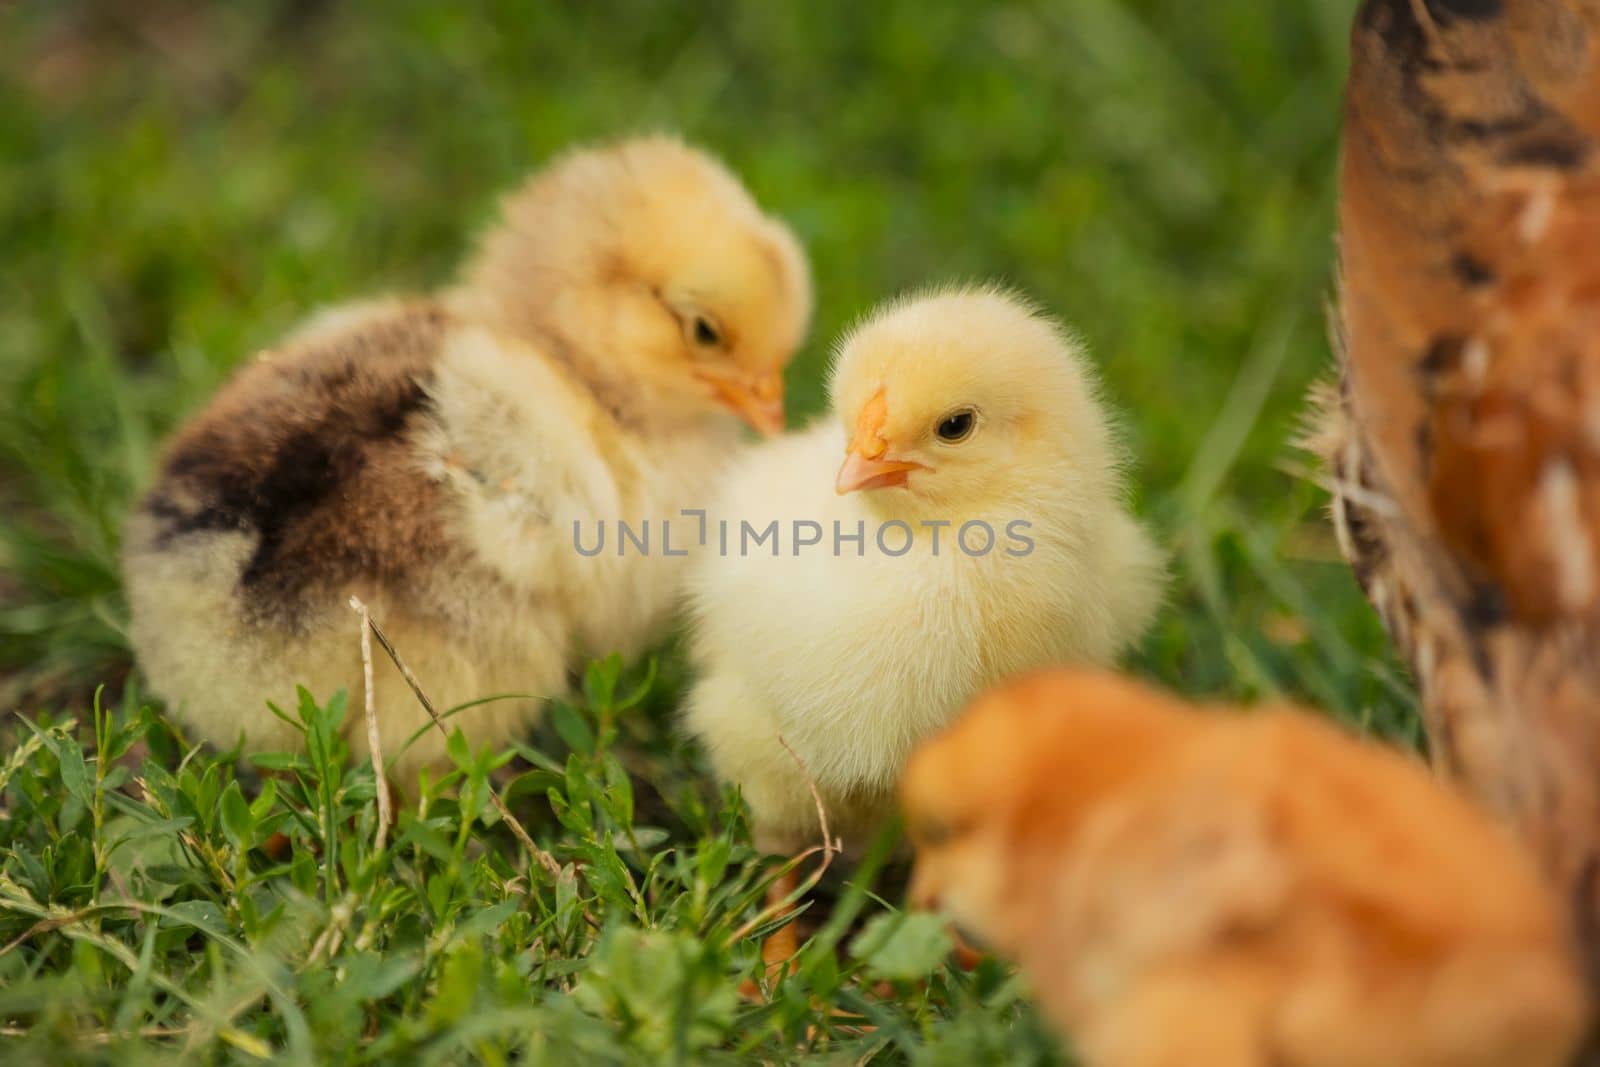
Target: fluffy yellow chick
[977,526]
[432,456]
[1236,890]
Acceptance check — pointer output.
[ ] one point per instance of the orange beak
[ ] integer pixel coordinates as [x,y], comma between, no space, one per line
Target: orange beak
[756,398]
[867,464]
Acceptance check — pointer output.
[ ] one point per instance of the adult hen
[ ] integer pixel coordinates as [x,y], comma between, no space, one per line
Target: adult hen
[433,455]
[1237,890]
[1464,438]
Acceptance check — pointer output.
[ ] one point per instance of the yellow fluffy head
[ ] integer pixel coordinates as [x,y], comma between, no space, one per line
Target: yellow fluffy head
[648,268]
[965,398]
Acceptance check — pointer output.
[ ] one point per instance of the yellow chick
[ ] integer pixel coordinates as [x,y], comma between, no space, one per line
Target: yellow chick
[1236,890]
[436,457]
[977,526]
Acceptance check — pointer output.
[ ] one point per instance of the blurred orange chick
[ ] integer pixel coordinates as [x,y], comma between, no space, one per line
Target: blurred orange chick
[1190,889]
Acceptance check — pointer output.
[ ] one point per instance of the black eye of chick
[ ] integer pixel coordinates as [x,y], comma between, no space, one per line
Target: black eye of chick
[955,427]
[705,333]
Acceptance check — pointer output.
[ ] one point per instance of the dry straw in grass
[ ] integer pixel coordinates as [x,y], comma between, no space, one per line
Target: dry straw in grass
[544,859]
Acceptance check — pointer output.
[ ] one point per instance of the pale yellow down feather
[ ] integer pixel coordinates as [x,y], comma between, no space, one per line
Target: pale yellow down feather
[853,660]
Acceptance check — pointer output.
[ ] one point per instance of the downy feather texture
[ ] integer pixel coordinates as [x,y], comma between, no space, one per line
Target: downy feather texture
[432,454]
[1237,889]
[842,656]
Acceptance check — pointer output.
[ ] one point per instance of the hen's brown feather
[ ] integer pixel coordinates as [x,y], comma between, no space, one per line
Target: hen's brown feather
[1465,446]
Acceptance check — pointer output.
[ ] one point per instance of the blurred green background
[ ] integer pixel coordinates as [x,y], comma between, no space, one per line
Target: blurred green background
[180,183]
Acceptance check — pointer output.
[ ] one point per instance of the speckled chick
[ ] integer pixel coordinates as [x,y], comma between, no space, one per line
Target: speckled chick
[985,488]
[431,456]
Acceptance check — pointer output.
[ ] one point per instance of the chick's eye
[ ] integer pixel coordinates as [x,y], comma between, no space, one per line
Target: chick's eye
[956,427]
[705,333]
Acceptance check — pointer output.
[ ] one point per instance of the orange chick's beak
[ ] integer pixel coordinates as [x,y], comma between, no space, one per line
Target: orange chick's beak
[756,398]
[867,464]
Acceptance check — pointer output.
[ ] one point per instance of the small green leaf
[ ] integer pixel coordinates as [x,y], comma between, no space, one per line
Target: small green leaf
[439,887]
[282,715]
[281,761]
[334,710]
[666,990]
[487,920]
[414,831]
[123,740]
[305,705]
[159,827]
[458,984]
[261,806]
[568,906]
[206,793]
[249,915]
[712,861]
[75,773]
[86,961]
[200,914]
[172,874]
[600,681]
[531,783]
[646,837]
[903,947]
[641,690]
[578,787]
[619,791]
[822,973]
[303,871]
[370,976]
[572,727]
[460,753]
[237,824]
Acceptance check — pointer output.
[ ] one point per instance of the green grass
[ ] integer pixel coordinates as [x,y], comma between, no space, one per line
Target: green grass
[182,183]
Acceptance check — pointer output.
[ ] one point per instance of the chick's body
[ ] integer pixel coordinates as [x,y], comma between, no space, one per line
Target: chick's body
[1238,891]
[851,650]
[433,456]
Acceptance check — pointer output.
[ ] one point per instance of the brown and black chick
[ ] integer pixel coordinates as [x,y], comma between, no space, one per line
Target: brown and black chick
[435,456]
